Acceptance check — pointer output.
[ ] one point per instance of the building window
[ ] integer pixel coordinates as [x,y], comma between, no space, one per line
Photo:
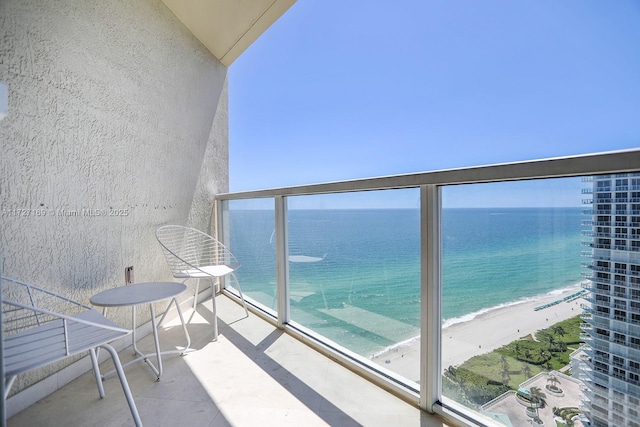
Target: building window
[618,361]
[605,220]
[619,373]
[620,315]
[603,287]
[603,276]
[619,338]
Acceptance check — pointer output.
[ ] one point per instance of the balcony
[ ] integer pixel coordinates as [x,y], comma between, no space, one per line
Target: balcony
[285,290]
[254,375]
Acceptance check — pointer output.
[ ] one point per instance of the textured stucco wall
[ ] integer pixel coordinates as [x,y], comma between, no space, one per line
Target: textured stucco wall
[114,107]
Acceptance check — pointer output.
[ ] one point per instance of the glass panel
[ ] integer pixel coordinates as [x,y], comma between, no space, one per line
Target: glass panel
[512,294]
[251,223]
[354,267]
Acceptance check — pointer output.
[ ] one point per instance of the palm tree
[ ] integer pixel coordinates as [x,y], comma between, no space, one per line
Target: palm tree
[537,399]
[562,346]
[559,330]
[553,381]
[537,396]
[551,340]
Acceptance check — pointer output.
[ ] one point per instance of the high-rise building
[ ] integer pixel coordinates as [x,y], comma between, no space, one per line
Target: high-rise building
[611,369]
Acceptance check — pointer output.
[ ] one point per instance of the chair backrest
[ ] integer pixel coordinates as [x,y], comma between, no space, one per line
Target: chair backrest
[25,306]
[187,248]
[41,327]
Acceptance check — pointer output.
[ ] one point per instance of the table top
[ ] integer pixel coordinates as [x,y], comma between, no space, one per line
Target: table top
[138,293]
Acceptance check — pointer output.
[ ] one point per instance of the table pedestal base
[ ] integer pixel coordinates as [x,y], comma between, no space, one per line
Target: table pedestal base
[154,326]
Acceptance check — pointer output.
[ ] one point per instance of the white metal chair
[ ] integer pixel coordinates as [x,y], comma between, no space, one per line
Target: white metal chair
[192,254]
[41,327]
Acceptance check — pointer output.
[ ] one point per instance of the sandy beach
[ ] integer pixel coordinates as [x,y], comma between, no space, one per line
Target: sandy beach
[485,333]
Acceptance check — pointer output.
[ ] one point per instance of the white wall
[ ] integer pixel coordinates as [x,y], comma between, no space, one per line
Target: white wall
[113,106]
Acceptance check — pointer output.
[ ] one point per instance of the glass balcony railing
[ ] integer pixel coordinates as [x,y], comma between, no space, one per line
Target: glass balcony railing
[353,274]
[454,289]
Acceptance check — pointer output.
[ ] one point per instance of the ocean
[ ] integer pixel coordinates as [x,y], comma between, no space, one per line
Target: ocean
[355,274]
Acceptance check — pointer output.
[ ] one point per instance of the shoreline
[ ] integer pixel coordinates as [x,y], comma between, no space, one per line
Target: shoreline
[484,331]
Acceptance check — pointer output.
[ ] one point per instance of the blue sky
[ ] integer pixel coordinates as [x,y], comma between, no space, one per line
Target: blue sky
[340,90]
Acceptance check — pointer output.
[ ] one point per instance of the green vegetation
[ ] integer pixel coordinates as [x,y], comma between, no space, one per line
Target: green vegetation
[485,377]
[566,413]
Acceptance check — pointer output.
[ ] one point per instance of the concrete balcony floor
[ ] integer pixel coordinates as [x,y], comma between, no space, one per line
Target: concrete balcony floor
[254,375]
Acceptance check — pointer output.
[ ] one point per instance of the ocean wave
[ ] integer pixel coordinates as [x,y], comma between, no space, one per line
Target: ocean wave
[470,316]
[467,317]
[397,347]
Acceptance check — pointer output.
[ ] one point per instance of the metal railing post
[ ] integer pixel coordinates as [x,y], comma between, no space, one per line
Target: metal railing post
[431,296]
[282,261]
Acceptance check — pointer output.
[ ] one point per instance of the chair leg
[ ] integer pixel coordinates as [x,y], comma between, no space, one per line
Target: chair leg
[184,325]
[215,309]
[96,372]
[124,383]
[195,295]
[244,303]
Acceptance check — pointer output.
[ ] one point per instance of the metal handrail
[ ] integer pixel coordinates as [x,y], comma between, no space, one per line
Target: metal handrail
[613,162]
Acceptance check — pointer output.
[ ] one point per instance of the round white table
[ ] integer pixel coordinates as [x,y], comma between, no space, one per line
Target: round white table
[145,293]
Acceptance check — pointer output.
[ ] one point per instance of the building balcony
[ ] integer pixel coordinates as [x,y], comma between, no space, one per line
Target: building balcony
[598,245]
[586,338]
[280,292]
[599,223]
[253,375]
[597,211]
[596,267]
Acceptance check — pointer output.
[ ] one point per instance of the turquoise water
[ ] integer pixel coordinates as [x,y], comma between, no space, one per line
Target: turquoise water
[356,275]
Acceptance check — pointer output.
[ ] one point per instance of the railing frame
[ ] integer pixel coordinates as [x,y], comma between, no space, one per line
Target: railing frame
[430,184]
